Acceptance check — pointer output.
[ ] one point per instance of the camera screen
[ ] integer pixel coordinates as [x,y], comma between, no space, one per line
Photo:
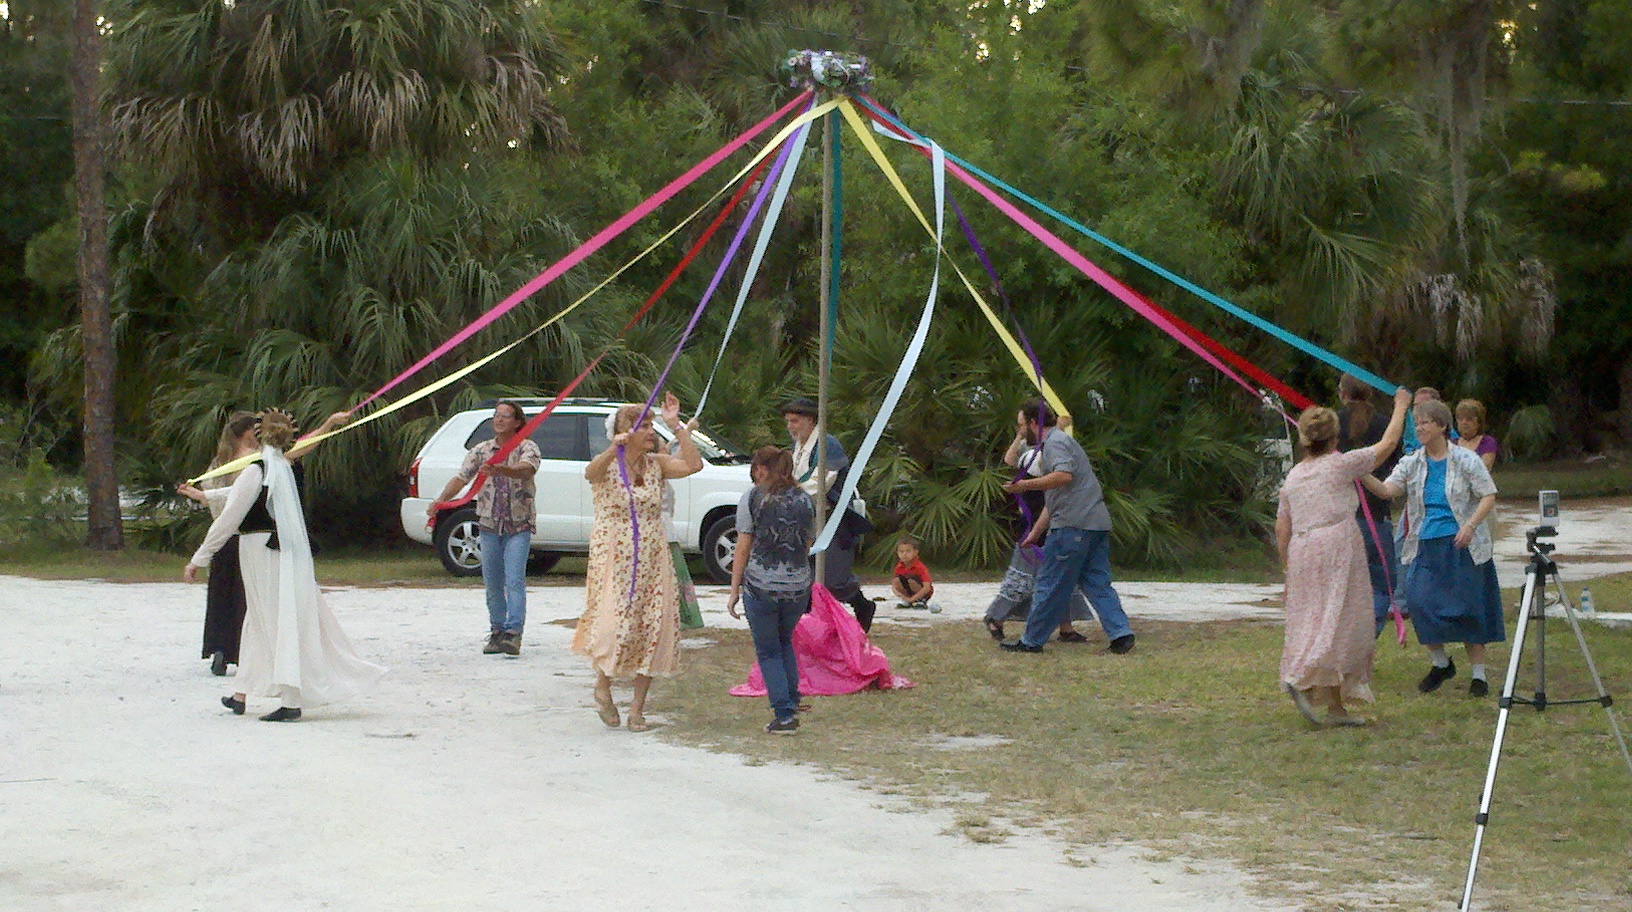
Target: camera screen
[1549,509]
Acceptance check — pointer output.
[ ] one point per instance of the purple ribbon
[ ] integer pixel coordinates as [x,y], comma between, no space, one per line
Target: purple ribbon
[1036,365]
[685,334]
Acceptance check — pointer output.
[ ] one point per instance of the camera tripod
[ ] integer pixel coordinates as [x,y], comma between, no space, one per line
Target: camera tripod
[1537,574]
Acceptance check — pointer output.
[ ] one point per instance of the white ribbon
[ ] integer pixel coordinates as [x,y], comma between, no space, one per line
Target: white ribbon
[899,383]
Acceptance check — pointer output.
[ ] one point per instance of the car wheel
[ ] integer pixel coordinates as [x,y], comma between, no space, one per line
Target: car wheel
[720,547]
[541,562]
[458,542]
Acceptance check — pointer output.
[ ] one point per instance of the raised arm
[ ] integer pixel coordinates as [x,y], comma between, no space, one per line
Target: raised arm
[302,447]
[1381,450]
[240,497]
[596,471]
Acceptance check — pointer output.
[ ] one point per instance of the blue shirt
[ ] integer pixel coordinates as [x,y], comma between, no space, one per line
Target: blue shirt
[1437,519]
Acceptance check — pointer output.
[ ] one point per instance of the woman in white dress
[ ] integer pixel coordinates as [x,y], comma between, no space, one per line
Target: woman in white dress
[293,649]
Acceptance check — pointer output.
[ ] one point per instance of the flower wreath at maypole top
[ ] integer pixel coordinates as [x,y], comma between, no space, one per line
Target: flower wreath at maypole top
[834,87]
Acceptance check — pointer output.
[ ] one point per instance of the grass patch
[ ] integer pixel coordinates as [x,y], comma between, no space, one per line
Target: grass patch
[1610,476]
[403,566]
[1187,747]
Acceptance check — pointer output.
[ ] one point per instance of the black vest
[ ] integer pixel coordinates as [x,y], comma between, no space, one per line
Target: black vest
[259,517]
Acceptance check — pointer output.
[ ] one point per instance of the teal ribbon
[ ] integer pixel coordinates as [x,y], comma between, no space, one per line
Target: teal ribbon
[834,129]
[1296,341]
[899,382]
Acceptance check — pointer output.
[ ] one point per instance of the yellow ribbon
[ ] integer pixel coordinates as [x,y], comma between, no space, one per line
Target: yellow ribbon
[1009,341]
[787,131]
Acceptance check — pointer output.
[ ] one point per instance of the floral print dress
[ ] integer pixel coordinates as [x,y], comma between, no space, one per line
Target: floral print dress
[624,635]
[1329,632]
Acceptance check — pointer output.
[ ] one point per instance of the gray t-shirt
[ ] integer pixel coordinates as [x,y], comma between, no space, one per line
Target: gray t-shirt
[779,561]
[1080,504]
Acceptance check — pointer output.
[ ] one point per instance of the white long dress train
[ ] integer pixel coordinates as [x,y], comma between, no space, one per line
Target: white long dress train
[293,648]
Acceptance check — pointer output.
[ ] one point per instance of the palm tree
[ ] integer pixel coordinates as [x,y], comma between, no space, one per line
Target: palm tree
[245,109]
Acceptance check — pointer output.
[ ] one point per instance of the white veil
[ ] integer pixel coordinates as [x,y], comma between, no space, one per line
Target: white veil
[295,567]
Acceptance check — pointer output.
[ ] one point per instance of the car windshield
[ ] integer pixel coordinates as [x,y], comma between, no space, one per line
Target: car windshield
[569,435]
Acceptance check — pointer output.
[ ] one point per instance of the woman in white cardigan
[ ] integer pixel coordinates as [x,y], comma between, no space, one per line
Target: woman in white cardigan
[1450,576]
[293,649]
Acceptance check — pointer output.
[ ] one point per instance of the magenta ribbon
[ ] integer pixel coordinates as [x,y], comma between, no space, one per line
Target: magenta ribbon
[590,246]
[1388,578]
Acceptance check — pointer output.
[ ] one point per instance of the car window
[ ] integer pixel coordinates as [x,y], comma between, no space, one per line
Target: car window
[560,437]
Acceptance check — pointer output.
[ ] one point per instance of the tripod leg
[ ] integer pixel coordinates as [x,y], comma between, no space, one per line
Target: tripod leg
[1531,581]
[1592,668]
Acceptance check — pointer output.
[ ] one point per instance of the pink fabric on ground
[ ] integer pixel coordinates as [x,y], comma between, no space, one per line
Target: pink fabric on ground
[835,657]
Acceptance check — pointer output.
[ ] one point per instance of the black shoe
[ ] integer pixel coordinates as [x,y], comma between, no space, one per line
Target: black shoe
[788,726]
[1122,645]
[495,643]
[282,714]
[1478,687]
[995,628]
[218,664]
[1018,646]
[234,704]
[1436,676]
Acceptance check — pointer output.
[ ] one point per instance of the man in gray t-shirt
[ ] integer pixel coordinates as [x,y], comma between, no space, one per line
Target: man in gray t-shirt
[1077,552]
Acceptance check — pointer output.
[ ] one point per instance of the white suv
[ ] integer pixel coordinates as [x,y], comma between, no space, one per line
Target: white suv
[705,504]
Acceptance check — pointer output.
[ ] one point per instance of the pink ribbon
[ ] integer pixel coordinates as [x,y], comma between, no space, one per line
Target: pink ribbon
[590,246]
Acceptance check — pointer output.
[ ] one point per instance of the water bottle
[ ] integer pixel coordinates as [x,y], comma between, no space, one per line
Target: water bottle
[1586,602]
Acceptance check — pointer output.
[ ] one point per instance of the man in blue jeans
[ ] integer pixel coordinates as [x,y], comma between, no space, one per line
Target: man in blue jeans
[506,514]
[1077,550]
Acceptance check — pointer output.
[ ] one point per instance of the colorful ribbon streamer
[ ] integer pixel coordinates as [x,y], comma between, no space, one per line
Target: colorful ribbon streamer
[773,214]
[593,244]
[884,117]
[898,383]
[1009,342]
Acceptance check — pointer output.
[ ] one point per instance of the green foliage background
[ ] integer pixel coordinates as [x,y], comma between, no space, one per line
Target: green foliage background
[312,193]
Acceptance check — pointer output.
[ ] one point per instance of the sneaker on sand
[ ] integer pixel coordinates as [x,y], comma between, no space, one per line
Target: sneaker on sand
[788,726]
[510,643]
[494,641]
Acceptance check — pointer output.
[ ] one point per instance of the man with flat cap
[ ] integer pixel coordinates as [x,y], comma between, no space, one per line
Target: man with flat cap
[840,576]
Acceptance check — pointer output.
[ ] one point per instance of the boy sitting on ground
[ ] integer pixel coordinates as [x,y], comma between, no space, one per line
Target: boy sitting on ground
[912,585]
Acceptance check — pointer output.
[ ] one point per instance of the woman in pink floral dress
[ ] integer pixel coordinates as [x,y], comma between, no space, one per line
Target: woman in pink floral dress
[632,629]
[1329,631]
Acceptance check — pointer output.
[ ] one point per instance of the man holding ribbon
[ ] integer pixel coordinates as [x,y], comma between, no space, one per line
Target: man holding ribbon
[1077,552]
[840,576]
[506,514]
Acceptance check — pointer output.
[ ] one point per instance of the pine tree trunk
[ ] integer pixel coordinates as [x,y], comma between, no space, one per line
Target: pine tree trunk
[105,530]
[1624,378]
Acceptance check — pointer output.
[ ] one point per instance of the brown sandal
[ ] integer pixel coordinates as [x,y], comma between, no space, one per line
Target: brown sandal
[607,710]
[637,722]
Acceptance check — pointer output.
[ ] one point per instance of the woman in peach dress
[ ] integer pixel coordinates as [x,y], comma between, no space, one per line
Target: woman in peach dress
[1329,630]
[632,629]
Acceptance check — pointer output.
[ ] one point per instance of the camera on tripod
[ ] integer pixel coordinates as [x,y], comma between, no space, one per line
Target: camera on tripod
[1546,522]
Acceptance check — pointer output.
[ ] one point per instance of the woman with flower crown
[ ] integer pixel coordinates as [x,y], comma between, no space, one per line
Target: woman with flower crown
[293,649]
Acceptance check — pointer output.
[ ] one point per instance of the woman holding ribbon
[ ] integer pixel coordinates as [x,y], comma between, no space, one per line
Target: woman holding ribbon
[1451,587]
[292,647]
[631,621]
[1329,638]
[224,604]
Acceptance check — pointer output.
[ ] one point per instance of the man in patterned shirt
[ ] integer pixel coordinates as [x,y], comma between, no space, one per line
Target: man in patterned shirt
[506,515]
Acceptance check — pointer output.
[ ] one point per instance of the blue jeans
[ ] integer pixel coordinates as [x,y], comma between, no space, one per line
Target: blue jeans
[504,570]
[1379,559]
[771,621]
[1074,559]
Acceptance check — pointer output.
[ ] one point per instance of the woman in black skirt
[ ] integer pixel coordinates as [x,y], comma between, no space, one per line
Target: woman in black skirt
[224,599]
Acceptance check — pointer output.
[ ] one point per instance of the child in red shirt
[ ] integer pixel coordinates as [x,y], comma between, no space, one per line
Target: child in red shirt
[912,584]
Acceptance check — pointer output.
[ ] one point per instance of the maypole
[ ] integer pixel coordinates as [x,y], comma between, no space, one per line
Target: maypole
[824,330]
[828,74]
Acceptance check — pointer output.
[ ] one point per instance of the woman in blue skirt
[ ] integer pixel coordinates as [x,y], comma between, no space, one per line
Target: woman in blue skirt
[1450,578]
